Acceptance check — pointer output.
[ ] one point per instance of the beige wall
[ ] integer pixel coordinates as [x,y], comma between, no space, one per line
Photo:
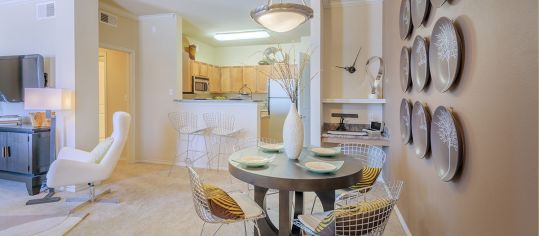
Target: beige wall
[205,52]
[495,102]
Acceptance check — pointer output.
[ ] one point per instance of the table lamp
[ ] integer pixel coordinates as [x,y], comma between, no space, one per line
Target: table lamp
[48,100]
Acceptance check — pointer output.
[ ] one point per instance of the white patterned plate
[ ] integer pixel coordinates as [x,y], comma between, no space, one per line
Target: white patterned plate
[420,129]
[444,54]
[406,130]
[420,11]
[419,64]
[405,19]
[405,77]
[446,143]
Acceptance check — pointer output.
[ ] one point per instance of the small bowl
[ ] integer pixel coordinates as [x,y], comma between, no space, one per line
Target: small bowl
[326,152]
[253,161]
[271,147]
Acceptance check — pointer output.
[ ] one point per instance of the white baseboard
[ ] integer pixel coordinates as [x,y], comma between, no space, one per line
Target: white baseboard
[403,222]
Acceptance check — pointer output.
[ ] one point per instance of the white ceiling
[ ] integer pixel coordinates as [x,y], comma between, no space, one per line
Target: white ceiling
[204,18]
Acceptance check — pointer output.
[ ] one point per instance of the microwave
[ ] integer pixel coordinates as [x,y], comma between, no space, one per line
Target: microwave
[201,85]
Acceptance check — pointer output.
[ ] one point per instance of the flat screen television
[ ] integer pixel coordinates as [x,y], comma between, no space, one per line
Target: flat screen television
[20,72]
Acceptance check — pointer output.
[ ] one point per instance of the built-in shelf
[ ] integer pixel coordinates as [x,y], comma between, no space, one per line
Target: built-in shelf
[354,101]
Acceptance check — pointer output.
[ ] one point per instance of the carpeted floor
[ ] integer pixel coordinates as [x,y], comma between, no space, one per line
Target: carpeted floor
[155,200]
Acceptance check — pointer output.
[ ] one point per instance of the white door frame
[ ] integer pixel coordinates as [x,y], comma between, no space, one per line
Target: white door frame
[132,85]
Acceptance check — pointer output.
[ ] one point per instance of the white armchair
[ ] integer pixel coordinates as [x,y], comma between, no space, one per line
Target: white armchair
[75,166]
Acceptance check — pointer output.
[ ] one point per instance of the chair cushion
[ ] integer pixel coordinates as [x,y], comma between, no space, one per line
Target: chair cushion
[369,176]
[99,152]
[221,204]
[359,218]
[247,205]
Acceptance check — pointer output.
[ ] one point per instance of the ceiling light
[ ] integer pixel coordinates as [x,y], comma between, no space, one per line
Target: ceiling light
[282,17]
[241,35]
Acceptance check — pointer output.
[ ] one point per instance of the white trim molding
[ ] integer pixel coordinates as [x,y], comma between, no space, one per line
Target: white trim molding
[402,221]
[349,3]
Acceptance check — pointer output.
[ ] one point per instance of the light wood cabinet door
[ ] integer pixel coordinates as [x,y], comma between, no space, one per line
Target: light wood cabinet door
[187,79]
[195,68]
[236,79]
[262,77]
[249,77]
[226,83]
[214,74]
[203,69]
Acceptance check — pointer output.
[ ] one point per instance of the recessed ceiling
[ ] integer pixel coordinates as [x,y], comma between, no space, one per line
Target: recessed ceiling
[203,18]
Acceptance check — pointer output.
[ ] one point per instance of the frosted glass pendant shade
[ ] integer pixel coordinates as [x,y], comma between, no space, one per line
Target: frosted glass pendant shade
[282,17]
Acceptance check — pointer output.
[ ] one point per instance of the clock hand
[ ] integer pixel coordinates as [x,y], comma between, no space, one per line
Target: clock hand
[356,58]
[341,67]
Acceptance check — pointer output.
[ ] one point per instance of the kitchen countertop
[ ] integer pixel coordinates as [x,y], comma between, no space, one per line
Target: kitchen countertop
[218,101]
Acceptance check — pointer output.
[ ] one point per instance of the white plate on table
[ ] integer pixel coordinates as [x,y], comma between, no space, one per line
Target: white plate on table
[320,167]
[326,152]
[271,147]
[253,161]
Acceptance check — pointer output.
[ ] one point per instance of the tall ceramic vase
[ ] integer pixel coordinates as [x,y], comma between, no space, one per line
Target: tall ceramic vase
[293,133]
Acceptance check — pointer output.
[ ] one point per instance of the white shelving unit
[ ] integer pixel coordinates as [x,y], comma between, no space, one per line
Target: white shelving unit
[354,101]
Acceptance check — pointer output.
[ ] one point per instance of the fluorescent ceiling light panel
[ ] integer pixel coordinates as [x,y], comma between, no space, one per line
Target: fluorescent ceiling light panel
[241,35]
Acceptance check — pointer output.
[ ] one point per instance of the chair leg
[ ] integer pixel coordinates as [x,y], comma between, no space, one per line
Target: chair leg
[217,230]
[202,229]
[314,202]
[245,228]
[257,228]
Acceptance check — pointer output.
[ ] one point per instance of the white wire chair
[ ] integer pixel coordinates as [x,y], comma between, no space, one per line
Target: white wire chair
[371,156]
[202,207]
[360,212]
[186,124]
[223,131]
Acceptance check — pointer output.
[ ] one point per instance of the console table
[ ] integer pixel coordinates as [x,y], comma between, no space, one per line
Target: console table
[25,155]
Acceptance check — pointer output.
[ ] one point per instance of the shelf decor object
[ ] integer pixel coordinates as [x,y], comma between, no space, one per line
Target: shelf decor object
[420,12]
[282,17]
[446,141]
[438,3]
[420,129]
[419,64]
[376,84]
[405,24]
[405,118]
[405,69]
[445,54]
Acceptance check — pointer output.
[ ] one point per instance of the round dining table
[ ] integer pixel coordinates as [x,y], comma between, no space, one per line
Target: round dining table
[291,180]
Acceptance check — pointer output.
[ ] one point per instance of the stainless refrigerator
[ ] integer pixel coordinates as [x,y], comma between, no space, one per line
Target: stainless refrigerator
[279,105]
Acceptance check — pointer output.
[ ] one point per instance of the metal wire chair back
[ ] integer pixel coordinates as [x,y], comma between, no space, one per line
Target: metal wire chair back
[252,142]
[372,156]
[200,200]
[219,122]
[372,212]
[183,122]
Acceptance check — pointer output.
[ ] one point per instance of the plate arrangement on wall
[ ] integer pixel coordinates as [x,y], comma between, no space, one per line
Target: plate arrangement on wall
[446,143]
[438,3]
[419,64]
[405,77]
[405,120]
[420,11]
[445,54]
[405,19]
[420,129]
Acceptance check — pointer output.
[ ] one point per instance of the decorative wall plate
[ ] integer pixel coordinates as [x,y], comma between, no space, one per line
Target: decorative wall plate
[420,130]
[446,143]
[405,115]
[444,54]
[405,69]
[419,63]
[420,11]
[438,3]
[405,24]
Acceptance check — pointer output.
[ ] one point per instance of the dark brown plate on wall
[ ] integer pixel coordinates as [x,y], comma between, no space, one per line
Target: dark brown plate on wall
[446,143]
[420,129]
[419,64]
[444,54]
[405,69]
[405,19]
[405,116]
[420,11]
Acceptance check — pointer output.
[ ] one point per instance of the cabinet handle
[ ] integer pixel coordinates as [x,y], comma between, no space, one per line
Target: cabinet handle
[8,151]
[4,152]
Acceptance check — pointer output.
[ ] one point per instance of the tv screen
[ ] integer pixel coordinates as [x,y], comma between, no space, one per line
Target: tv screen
[19,72]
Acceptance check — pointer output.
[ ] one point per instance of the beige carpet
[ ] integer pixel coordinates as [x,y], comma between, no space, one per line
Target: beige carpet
[153,202]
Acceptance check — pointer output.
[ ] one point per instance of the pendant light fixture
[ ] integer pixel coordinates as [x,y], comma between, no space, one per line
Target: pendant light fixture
[282,17]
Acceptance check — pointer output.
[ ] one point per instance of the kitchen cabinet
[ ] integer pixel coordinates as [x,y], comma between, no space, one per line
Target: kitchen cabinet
[236,79]
[187,80]
[214,74]
[226,83]
[202,69]
[195,68]
[262,77]
[249,77]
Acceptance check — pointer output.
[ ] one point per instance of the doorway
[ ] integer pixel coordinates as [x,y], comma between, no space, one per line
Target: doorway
[114,90]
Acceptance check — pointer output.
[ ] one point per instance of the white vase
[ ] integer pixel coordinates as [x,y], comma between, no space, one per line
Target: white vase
[293,133]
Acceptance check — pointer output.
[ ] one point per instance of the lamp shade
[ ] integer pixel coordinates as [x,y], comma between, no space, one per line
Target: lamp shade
[47,99]
[282,17]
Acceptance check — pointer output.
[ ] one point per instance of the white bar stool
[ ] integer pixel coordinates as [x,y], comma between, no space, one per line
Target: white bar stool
[223,133]
[186,126]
